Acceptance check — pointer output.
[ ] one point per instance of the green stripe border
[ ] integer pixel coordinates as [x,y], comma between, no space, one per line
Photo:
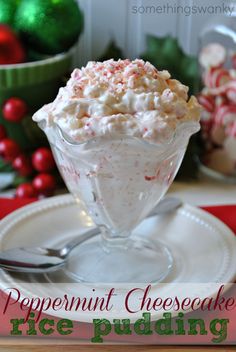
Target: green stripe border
[14,76]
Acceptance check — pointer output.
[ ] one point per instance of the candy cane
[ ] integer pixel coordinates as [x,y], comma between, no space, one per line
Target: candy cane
[225,114]
[207,101]
[215,78]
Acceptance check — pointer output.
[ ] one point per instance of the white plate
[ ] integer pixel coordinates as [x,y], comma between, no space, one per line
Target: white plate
[204,249]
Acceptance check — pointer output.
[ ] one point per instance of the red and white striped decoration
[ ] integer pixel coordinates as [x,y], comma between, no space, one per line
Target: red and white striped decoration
[218,99]
[206,123]
[225,114]
[207,101]
[218,77]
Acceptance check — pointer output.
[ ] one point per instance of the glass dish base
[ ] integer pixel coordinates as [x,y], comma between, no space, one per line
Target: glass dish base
[136,260]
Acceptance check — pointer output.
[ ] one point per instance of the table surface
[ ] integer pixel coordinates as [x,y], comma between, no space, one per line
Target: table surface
[195,193]
[204,192]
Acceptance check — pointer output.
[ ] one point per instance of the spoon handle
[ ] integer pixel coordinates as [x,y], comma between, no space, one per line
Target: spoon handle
[77,240]
[166,205]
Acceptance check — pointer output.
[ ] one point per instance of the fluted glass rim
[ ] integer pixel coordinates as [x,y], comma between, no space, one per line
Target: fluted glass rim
[186,128]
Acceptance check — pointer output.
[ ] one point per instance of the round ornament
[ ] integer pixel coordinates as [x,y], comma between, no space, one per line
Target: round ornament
[23,165]
[25,190]
[14,109]
[7,11]
[43,160]
[11,49]
[44,184]
[9,149]
[49,26]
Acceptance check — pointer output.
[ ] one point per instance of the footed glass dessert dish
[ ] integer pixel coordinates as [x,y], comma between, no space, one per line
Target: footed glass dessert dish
[119,131]
[119,181]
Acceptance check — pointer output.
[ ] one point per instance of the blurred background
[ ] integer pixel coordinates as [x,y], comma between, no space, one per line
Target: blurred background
[41,41]
[128,22]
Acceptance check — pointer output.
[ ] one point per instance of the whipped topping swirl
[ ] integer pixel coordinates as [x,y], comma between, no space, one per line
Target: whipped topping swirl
[121,97]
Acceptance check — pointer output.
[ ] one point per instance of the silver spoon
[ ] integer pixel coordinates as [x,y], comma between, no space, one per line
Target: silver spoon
[42,260]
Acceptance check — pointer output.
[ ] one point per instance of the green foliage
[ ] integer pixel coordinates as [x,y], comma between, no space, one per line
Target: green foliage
[18,180]
[4,166]
[166,54]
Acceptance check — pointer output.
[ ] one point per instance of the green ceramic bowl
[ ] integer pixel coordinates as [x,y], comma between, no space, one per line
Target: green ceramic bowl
[37,83]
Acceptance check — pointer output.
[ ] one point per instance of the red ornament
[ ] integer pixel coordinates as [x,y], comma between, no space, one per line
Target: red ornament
[25,190]
[23,165]
[11,49]
[44,184]
[3,133]
[14,109]
[43,160]
[9,149]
